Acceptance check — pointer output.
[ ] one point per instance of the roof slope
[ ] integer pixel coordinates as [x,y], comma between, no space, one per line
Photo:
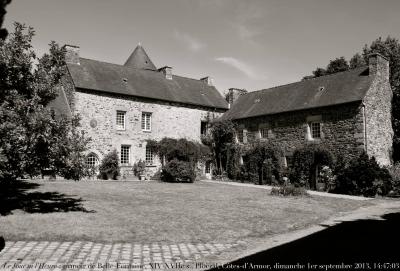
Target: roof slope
[339,88]
[60,104]
[118,79]
[140,60]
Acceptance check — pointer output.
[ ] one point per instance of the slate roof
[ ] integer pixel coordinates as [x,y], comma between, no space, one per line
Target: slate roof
[60,104]
[122,79]
[339,88]
[140,60]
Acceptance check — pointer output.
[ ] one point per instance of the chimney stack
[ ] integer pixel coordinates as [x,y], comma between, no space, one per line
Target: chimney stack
[234,94]
[378,65]
[72,54]
[167,71]
[208,80]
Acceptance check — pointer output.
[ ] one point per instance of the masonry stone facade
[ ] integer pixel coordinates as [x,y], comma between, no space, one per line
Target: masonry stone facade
[341,129]
[98,112]
[362,123]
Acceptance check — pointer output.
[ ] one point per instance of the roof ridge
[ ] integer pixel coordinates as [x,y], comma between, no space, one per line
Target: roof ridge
[314,78]
[132,68]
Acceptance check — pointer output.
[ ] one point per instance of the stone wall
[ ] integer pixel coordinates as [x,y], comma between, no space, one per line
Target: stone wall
[341,129]
[98,113]
[378,107]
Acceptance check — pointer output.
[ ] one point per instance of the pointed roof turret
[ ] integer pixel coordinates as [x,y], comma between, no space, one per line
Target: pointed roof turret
[140,60]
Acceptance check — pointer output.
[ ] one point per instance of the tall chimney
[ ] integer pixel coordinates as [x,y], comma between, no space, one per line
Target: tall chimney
[72,54]
[167,71]
[378,65]
[208,80]
[234,94]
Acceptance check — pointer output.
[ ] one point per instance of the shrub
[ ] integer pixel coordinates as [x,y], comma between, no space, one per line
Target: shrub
[179,158]
[288,190]
[265,157]
[109,167]
[363,177]
[326,176]
[178,171]
[394,172]
[305,162]
[139,168]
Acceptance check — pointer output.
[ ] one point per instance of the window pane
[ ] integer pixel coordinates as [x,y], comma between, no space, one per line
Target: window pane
[149,156]
[91,160]
[208,168]
[146,121]
[125,150]
[240,135]
[315,130]
[121,120]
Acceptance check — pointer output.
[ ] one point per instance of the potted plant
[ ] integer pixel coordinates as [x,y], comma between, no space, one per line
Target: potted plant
[139,169]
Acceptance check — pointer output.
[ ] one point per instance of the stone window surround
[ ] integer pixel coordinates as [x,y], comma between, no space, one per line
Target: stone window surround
[310,120]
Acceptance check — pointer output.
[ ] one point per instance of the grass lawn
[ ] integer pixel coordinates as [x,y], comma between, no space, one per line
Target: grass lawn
[163,212]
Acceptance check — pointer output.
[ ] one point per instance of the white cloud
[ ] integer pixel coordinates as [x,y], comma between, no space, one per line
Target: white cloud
[241,66]
[192,43]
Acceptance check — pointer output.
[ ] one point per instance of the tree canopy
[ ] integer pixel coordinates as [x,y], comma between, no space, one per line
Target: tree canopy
[31,137]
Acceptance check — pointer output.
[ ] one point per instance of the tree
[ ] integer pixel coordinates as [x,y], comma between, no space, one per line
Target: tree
[357,61]
[222,138]
[337,65]
[31,137]
[3,4]
[263,156]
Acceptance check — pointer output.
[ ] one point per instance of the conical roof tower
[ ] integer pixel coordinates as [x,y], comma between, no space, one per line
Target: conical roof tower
[140,60]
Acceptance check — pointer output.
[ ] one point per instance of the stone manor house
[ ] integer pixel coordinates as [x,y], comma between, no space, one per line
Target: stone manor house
[122,106]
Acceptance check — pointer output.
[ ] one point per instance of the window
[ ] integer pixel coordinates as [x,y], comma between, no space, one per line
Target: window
[125,153]
[208,167]
[52,113]
[149,156]
[315,130]
[146,121]
[92,160]
[203,128]
[240,136]
[121,120]
[264,132]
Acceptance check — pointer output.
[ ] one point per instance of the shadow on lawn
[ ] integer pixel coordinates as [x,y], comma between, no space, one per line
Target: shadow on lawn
[16,195]
[361,241]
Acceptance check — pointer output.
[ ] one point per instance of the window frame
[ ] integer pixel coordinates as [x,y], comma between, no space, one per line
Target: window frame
[95,159]
[317,130]
[146,121]
[123,155]
[203,128]
[240,135]
[149,162]
[117,124]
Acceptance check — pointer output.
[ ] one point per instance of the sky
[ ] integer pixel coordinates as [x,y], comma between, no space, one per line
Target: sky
[251,44]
